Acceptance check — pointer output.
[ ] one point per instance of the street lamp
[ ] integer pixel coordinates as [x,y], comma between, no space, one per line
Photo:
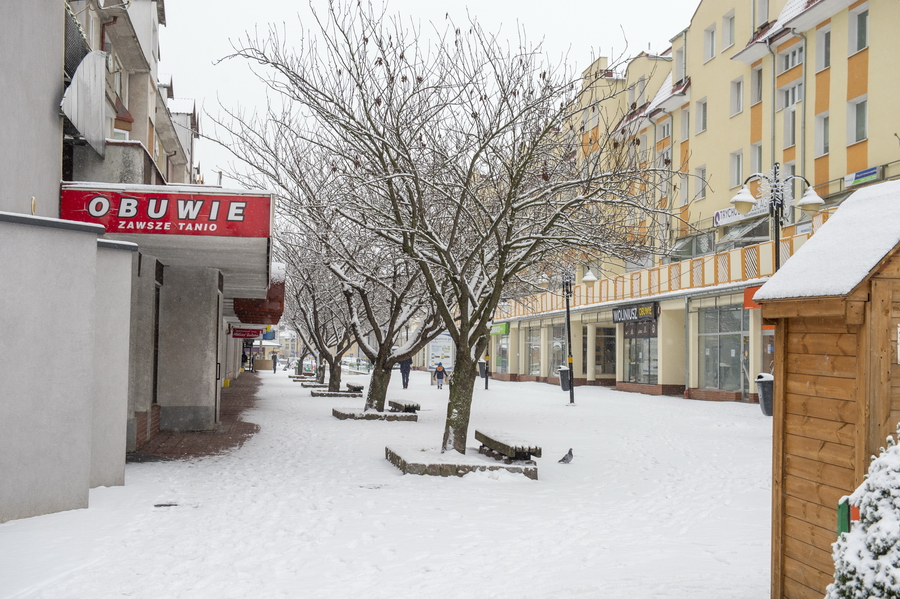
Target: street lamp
[568,278]
[744,201]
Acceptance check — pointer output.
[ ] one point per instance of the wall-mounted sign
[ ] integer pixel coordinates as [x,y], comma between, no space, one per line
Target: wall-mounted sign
[169,212]
[641,329]
[246,333]
[501,328]
[729,215]
[749,304]
[637,312]
[870,174]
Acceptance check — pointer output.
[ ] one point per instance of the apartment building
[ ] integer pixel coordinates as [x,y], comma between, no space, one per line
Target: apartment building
[744,86]
[108,246]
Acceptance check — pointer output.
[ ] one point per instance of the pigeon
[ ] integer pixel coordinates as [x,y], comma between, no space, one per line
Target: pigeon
[567,458]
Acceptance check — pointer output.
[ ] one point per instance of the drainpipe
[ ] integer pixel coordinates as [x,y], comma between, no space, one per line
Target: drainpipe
[687,345]
[774,67]
[803,108]
[671,206]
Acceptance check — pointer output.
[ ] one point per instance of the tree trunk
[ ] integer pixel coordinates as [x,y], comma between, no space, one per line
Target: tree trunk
[320,371]
[334,376]
[462,385]
[378,386]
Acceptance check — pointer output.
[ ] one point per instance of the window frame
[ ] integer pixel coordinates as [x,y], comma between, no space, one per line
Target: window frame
[728,30]
[709,43]
[756,86]
[823,48]
[736,168]
[853,116]
[823,134]
[702,115]
[700,174]
[737,96]
[857,16]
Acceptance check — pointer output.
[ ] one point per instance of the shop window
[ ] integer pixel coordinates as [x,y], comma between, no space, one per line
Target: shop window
[500,363]
[721,344]
[693,247]
[533,339]
[605,352]
[558,353]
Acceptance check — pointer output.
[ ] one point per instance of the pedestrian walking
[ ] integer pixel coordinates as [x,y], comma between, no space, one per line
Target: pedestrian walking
[405,367]
[274,363]
[439,374]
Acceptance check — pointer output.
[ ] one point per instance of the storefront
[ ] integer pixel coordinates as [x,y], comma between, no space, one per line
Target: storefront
[641,346]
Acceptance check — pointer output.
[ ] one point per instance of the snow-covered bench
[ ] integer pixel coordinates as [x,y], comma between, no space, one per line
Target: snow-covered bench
[504,447]
[354,388]
[402,406]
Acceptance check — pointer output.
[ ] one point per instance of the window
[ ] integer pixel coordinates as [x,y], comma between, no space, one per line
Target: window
[679,64]
[720,344]
[728,30]
[709,43]
[700,174]
[737,96]
[822,134]
[605,352]
[791,58]
[756,158]
[701,115]
[859,29]
[762,12]
[664,129]
[756,85]
[686,123]
[684,189]
[791,95]
[823,48]
[736,169]
[790,126]
[664,158]
[858,120]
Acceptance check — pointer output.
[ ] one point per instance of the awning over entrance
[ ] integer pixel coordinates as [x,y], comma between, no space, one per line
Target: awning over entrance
[185,225]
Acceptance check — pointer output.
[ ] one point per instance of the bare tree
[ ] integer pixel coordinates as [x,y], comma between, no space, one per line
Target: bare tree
[459,151]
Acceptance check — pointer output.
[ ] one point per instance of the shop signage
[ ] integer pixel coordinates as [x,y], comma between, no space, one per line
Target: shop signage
[637,312]
[641,329]
[749,304]
[246,333]
[501,328]
[729,215]
[870,174]
[170,212]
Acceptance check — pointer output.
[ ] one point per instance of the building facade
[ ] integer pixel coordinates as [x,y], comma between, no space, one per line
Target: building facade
[129,265]
[744,86]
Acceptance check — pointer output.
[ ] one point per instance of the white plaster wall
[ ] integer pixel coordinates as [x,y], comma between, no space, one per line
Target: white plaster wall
[111,336]
[47,293]
[31,61]
[190,318]
[671,343]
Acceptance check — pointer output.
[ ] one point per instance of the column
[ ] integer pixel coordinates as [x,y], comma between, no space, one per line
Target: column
[591,351]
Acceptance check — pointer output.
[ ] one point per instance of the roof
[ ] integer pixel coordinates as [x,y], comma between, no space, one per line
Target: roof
[844,250]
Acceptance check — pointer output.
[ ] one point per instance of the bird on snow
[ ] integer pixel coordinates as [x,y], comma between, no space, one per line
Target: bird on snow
[567,458]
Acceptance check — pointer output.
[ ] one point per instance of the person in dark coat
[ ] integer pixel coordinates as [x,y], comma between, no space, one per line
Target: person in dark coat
[440,373]
[274,363]
[405,367]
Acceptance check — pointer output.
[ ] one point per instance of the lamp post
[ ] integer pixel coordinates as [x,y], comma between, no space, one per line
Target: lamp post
[744,201]
[568,278]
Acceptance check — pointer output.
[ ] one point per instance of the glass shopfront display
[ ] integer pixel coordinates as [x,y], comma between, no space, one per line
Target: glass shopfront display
[501,360]
[558,354]
[604,352]
[533,347]
[641,343]
[722,344]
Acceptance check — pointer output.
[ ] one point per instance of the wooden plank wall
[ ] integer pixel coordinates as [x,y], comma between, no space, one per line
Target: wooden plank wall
[817,432]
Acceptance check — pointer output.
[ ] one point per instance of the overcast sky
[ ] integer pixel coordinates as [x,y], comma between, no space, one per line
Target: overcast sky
[199,32]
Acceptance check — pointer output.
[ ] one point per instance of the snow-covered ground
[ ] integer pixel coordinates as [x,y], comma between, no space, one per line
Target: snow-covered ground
[666,498]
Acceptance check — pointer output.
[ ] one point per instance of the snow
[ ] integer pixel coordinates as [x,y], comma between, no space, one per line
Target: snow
[666,498]
[868,223]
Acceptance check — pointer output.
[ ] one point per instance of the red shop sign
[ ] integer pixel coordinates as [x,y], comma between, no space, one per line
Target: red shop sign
[170,212]
[246,333]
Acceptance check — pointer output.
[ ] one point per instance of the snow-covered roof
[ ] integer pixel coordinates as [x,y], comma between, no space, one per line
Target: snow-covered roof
[181,105]
[844,250]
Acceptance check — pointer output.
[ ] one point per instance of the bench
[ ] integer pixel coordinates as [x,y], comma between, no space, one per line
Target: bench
[400,406]
[354,388]
[503,447]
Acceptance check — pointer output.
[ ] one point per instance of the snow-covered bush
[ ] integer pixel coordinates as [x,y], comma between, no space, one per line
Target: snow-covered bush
[867,559]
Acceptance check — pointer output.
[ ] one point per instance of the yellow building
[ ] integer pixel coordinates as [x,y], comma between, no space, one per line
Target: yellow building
[806,84]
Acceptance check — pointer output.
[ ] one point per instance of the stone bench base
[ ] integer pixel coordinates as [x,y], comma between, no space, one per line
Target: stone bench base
[408,463]
[335,394]
[307,385]
[352,414]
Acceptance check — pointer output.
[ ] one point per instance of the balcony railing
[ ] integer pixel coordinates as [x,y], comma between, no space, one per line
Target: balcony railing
[734,266]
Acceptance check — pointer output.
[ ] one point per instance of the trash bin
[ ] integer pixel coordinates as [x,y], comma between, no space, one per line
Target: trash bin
[565,378]
[482,369]
[764,384]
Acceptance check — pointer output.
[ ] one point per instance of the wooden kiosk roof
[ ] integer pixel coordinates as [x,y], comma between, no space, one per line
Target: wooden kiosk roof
[836,309]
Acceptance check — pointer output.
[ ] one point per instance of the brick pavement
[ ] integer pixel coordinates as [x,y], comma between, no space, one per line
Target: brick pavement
[231,432]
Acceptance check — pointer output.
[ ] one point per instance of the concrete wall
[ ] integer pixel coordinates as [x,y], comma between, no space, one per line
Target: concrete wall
[30,105]
[190,323]
[111,355]
[48,271]
[141,342]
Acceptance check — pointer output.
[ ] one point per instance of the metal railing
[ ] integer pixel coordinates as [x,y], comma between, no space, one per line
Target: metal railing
[733,266]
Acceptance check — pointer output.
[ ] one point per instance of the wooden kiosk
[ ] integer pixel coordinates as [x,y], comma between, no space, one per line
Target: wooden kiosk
[836,309]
